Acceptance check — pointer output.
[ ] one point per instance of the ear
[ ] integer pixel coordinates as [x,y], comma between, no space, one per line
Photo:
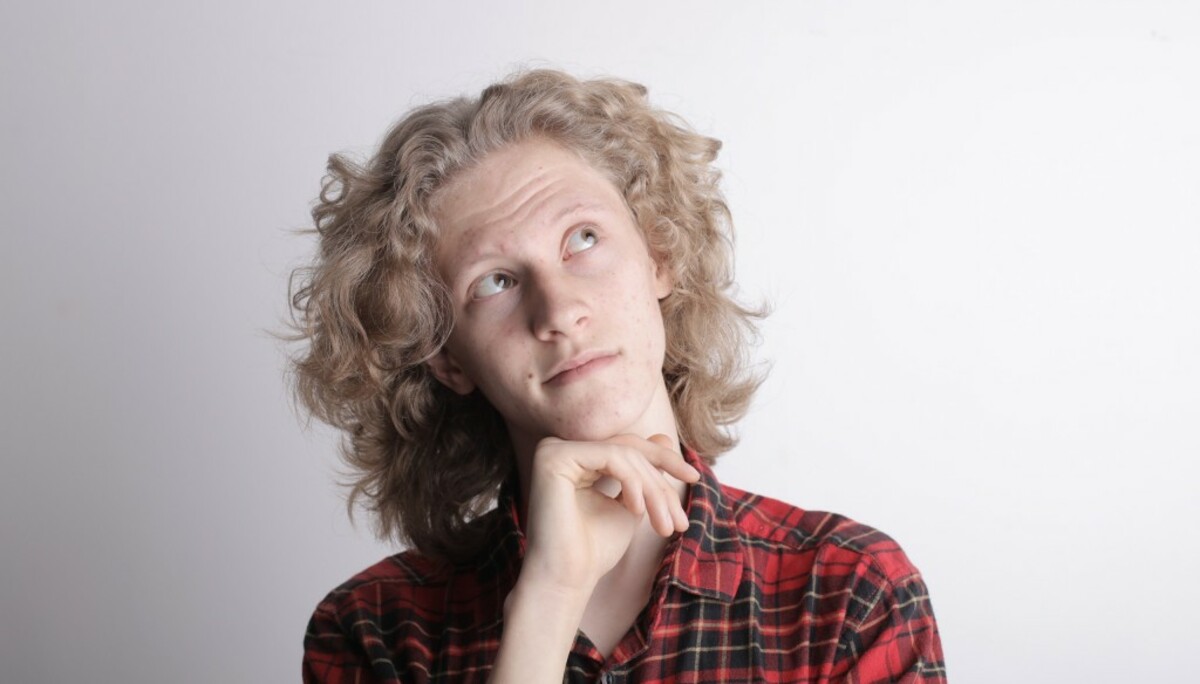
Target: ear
[663,282]
[449,373]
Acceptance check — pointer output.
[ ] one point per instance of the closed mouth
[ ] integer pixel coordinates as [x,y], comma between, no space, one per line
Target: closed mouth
[574,366]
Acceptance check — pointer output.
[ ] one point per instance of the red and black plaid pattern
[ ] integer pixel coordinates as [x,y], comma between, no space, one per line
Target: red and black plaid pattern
[754,591]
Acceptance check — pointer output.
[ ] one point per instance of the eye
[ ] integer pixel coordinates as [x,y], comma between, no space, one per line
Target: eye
[492,284]
[582,239]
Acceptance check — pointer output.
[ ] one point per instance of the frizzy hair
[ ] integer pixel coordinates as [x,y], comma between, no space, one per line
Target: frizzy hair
[373,310]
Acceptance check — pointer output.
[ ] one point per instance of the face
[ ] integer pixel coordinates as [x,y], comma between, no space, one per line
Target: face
[556,298]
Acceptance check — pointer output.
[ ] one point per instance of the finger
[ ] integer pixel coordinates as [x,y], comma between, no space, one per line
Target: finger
[674,462]
[624,470]
[658,500]
[681,517]
[632,496]
[668,510]
[627,461]
[678,519]
[662,452]
[581,463]
[661,498]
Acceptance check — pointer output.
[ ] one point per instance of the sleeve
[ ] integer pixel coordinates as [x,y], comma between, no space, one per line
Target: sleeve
[891,634]
[332,655]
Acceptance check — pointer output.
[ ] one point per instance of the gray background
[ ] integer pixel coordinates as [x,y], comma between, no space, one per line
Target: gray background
[978,223]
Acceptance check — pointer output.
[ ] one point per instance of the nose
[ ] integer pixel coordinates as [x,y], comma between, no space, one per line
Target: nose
[557,307]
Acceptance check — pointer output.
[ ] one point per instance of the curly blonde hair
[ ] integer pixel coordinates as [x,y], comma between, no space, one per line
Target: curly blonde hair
[373,310]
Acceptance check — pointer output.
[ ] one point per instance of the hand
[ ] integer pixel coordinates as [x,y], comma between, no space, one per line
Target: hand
[576,533]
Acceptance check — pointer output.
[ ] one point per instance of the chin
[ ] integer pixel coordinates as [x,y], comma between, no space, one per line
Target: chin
[606,412]
[589,431]
[596,425]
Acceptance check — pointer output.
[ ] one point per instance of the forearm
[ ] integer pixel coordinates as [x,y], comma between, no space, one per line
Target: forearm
[539,629]
[576,534]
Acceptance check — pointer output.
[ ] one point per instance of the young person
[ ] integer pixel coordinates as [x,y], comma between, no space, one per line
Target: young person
[520,317]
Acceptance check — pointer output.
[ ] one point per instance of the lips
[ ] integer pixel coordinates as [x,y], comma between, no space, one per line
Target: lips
[578,365]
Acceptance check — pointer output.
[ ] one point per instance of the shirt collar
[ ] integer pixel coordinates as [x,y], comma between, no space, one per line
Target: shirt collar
[708,559]
[705,560]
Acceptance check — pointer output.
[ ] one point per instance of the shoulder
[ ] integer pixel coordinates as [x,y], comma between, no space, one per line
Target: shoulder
[382,619]
[401,582]
[852,586]
[774,526]
[388,618]
[405,572]
[412,592]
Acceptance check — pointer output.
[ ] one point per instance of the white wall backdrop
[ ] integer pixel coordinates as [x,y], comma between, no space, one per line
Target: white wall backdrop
[978,224]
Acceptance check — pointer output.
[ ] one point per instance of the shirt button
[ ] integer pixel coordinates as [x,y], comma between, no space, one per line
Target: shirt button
[607,678]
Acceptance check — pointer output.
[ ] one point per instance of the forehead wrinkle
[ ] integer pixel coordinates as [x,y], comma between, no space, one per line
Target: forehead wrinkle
[517,203]
[508,225]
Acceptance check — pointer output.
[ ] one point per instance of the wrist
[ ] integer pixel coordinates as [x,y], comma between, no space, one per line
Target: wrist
[540,624]
[537,587]
[564,575]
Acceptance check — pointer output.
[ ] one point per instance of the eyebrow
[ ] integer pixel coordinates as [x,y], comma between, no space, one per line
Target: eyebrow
[576,208]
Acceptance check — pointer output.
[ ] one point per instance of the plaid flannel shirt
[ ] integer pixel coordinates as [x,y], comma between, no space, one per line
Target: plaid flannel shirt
[755,590]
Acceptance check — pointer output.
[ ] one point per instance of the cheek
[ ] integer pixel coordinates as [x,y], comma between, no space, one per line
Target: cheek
[644,315]
[488,356]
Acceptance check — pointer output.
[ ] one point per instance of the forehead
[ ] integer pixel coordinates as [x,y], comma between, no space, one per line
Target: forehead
[523,186]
